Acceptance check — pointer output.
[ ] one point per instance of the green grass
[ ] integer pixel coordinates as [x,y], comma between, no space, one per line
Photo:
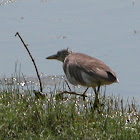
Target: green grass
[67,118]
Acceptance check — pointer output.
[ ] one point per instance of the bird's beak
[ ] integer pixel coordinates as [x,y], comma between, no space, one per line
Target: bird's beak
[55,56]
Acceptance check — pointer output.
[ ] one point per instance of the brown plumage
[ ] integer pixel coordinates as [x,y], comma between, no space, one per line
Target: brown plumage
[81,69]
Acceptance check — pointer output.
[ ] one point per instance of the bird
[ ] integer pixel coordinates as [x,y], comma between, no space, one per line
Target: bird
[82,69]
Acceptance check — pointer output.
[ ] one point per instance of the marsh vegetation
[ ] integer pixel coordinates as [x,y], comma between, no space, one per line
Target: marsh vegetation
[23,116]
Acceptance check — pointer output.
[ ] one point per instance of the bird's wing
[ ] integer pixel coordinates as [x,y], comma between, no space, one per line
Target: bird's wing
[99,70]
[82,66]
[73,73]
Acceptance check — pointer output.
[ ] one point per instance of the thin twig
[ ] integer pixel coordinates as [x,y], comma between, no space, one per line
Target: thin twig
[41,89]
[74,93]
[68,85]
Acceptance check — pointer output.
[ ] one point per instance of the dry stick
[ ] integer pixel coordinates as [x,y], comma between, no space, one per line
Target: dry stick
[41,89]
[74,93]
[35,69]
[68,85]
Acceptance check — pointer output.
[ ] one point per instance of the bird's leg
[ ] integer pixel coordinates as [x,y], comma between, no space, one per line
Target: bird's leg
[98,89]
[85,93]
[96,101]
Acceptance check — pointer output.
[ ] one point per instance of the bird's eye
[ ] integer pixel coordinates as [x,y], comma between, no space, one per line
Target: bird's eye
[65,53]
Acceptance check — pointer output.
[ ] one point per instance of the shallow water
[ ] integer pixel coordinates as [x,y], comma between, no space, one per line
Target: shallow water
[108,30]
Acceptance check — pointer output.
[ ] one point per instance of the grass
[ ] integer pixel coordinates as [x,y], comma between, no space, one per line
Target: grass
[67,117]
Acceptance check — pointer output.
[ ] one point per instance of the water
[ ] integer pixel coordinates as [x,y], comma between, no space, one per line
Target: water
[108,30]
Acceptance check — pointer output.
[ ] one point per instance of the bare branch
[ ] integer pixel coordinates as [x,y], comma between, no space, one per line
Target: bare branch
[17,34]
[74,93]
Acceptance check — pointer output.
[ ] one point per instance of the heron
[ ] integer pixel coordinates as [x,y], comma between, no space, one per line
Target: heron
[82,69]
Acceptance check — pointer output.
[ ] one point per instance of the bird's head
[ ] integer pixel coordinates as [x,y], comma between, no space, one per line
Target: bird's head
[61,55]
